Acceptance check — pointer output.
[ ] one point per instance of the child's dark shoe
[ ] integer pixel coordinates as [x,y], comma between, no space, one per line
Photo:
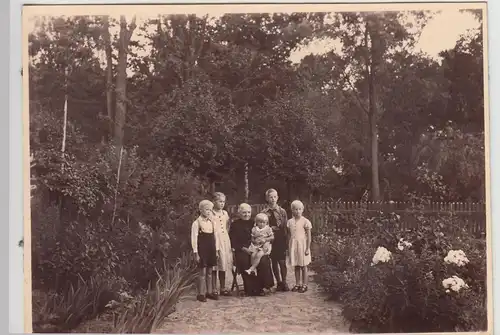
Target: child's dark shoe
[296,288]
[201,297]
[212,296]
[285,287]
[303,289]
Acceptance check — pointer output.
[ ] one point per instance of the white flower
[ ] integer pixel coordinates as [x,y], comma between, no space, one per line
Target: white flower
[381,255]
[454,283]
[402,244]
[456,257]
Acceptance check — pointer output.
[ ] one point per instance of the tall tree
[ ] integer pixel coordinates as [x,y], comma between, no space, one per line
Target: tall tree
[368,42]
[121,79]
[109,75]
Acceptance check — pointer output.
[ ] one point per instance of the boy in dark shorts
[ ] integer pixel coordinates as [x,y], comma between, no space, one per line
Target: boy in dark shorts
[277,221]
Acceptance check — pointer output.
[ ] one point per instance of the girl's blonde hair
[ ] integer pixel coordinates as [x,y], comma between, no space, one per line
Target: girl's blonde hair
[296,203]
[261,216]
[205,204]
[269,191]
[243,206]
[218,195]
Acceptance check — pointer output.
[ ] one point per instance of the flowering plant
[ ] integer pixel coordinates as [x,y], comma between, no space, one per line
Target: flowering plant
[456,257]
[454,283]
[409,292]
[381,255]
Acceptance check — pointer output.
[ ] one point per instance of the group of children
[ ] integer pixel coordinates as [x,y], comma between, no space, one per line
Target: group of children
[273,235]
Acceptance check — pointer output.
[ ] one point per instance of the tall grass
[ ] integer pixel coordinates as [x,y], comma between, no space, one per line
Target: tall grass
[60,313]
[146,314]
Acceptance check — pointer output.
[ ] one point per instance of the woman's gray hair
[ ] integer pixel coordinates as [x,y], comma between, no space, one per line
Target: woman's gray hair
[244,206]
[206,204]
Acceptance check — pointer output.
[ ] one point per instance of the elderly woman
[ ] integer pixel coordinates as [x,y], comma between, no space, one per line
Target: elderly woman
[241,236]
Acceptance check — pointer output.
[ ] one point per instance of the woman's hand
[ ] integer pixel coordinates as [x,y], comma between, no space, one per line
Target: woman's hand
[219,254]
[196,257]
[307,252]
[245,249]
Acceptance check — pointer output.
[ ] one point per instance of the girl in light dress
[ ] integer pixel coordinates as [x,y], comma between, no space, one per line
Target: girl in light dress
[225,261]
[299,229]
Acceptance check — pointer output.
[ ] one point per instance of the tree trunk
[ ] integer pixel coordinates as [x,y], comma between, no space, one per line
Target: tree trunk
[109,77]
[247,185]
[121,80]
[375,60]
[65,120]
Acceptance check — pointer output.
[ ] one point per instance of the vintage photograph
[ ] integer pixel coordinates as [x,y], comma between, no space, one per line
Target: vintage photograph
[257,168]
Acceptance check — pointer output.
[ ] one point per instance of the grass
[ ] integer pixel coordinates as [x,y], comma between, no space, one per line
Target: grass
[146,314]
[60,313]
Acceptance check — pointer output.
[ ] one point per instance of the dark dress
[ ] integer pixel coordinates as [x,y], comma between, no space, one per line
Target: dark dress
[241,235]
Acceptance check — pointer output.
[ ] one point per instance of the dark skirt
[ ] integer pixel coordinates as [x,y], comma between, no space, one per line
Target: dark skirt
[253,285]
[206,250]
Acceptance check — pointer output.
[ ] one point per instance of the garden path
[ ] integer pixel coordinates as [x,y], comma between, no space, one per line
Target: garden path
[280,312]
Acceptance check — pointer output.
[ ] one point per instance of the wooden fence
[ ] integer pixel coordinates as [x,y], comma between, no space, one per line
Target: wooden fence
[471,216]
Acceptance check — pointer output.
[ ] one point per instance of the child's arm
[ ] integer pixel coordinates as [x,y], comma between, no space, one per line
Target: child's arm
[217,239]
[194,236]
[287,233]
[254,236]
[308,227]
[270,236]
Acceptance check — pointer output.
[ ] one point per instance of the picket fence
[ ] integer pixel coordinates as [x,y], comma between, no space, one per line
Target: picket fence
[469,215]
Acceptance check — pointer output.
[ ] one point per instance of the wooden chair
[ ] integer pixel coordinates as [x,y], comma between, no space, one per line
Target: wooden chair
[235,284]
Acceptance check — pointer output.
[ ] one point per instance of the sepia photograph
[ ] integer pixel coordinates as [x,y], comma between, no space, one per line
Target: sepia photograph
[256,168]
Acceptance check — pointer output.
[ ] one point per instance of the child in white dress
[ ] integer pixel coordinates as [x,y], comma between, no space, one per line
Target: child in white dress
[262,236]
[225,261]
[299,229]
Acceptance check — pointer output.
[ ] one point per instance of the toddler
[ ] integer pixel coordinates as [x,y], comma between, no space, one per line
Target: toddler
[262,236]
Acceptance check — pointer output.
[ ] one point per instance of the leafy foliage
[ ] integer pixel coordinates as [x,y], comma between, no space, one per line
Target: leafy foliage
[405,294]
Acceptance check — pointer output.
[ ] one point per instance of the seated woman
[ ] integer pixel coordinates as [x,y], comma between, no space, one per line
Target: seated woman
[240,234]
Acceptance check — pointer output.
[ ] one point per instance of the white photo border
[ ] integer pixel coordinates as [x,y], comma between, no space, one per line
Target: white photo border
[11,139]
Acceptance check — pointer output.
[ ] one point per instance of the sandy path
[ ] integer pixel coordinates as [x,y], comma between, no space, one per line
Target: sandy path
[279,312]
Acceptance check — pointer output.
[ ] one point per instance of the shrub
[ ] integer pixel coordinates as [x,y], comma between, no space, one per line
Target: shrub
[405,294]
[154,203]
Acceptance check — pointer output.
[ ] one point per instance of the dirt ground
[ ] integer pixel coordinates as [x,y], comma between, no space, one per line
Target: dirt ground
[280,312]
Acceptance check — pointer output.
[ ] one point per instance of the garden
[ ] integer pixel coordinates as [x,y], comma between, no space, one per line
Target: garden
[134,120]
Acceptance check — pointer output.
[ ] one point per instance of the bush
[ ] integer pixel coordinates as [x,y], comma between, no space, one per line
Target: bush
[405,294]
[155,203]
[77,232]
